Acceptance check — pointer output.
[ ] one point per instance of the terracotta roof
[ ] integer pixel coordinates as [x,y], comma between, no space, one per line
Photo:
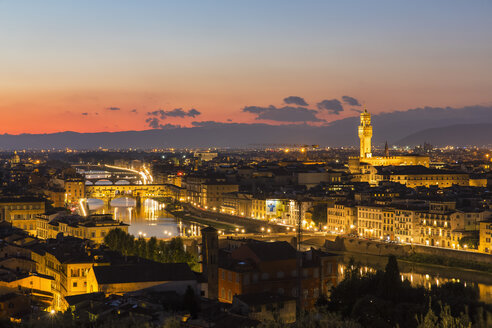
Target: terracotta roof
[263,298]
[276,251]
[114,274]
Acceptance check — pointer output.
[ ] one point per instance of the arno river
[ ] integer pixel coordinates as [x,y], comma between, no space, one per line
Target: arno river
[424,275]
[148,220]
[151,220]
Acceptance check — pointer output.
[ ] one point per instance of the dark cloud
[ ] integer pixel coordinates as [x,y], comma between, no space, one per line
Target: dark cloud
[356,110]
[193,112]
[113,108]
[85,114]
[284,114]
[210,124]
[257,109]
[177,112]
[155,123]
[350,101]
[334,106]
[294,100]
[170,126]
[133,111]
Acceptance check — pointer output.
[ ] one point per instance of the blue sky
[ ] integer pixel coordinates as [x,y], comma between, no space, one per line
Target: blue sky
[63,58]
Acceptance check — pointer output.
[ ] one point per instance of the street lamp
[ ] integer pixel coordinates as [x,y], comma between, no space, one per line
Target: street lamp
[52,315]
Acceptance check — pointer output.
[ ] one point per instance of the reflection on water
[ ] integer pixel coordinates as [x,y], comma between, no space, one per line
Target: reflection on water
[148,220]
[423,275]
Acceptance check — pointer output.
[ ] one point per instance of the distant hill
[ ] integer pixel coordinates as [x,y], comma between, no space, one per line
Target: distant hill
[396,127]
[219,135]
[456,135]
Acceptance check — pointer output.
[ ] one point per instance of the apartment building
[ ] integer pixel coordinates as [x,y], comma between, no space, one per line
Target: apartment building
[341,218]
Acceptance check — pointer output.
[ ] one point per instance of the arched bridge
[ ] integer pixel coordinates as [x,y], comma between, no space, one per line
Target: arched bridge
[137,191]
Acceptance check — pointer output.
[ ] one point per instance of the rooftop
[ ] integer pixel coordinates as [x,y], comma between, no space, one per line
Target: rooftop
[413,170]
[272,251]
[263,298]
[115,274]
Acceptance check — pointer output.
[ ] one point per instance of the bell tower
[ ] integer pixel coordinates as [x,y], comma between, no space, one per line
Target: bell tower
[365,134]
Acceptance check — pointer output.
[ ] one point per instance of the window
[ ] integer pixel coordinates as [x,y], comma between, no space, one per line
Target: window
[222,293]
[74,284]
[280,274]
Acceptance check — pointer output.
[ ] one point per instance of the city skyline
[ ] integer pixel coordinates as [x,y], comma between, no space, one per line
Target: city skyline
[107,66]
[279,163]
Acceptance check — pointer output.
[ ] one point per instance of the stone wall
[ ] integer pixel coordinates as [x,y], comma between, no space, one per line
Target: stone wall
[355,245]
[456,254]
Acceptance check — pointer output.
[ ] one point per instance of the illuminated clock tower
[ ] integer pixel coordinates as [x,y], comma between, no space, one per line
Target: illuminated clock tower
[365,134]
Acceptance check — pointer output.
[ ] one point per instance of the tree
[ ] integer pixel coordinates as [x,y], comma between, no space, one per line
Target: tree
[189,301]
[469,241]
[319,213]
[391,282]
[444,320]
[381,299]
[171,322]
[159,251]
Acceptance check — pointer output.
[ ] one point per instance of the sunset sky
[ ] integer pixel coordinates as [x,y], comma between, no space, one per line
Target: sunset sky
[107,65]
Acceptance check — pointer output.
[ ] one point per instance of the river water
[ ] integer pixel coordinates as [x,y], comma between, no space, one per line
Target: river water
[148,220]
[422,274]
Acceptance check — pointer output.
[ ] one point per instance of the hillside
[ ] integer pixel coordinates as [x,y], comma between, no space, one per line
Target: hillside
[456,135]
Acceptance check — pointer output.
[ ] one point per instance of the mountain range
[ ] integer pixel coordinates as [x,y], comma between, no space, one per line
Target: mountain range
[470,125]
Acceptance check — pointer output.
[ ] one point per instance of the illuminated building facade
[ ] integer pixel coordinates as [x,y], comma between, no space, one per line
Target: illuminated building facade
[485,236]
[24,208]
[212,194]
[74,190]
[94,227]
[341,218]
